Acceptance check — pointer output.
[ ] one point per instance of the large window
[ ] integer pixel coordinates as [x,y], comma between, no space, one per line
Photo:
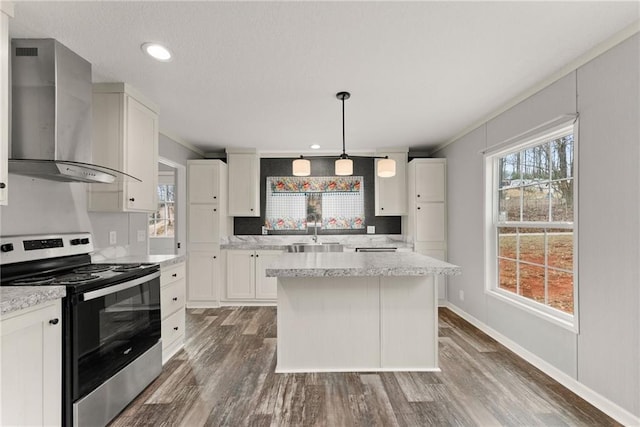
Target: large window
[532,223]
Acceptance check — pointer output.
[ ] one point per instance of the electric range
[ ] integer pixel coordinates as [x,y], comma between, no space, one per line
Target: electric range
[110,320]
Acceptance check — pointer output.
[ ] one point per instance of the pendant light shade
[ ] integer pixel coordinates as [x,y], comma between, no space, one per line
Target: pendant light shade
[301,167]
[344,167]
[386,168]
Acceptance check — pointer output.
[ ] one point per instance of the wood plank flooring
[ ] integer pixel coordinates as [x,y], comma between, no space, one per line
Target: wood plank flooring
[225,377]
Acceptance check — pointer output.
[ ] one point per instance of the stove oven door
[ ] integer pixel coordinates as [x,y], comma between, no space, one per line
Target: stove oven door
[111,327]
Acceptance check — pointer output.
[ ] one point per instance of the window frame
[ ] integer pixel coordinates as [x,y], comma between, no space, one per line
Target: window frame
[492,224]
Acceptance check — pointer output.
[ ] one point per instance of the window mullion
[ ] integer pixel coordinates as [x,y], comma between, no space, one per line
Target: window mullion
[546,267]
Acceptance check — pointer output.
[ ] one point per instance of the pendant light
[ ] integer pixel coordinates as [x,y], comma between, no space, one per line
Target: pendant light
[344,165]
[301,167]
[385,167]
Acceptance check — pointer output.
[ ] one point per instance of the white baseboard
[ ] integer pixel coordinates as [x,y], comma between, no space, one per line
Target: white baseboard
[602,403]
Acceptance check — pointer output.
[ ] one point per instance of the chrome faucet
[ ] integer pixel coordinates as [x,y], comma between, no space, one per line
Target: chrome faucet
[315,227]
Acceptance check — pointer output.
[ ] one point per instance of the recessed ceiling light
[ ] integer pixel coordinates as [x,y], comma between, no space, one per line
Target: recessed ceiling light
[157,51]
[314,146]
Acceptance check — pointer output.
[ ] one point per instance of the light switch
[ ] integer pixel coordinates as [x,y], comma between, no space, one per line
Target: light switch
[142,236]
[371,229]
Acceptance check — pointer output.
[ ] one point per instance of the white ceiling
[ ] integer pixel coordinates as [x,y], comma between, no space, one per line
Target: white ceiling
[265,74]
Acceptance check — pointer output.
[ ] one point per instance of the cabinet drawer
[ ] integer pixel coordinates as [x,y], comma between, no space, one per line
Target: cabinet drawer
[172,274]
[172,328]
[172,298]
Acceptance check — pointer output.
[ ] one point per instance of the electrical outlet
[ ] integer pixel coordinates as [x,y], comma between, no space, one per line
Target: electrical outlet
[264,230]
[142,236]
[113,238]
[461,294]
[371,229]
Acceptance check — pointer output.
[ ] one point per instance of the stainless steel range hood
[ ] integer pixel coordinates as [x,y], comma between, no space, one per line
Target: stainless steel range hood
[51,114]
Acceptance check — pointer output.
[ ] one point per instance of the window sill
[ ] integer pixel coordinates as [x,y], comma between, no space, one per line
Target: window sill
[524,305]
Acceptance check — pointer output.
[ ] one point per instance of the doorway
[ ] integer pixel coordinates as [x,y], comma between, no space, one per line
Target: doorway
[166,226]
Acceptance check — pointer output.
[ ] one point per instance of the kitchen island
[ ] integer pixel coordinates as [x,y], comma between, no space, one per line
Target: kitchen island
[349,312]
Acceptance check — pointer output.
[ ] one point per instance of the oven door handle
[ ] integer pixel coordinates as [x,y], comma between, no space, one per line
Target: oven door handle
[87,296]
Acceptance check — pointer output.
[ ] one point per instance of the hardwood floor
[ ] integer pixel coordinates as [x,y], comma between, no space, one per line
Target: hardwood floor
[225,377]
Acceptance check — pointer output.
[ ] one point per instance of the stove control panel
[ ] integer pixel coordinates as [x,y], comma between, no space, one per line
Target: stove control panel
[32,245]
[76,242]
[41,246]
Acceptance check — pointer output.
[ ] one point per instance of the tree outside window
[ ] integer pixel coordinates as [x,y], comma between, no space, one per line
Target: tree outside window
[162,221]
[534,222]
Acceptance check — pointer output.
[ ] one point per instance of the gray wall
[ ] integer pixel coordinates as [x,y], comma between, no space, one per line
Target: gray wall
[604,356]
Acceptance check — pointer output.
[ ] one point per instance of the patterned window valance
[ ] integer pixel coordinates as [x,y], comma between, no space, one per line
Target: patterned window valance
[316,184]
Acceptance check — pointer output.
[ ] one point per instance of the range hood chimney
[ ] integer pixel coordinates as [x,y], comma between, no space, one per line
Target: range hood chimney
[51,114]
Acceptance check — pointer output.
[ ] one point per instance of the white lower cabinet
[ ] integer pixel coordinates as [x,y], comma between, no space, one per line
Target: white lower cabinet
[204,278]
[246,278]
[172,309]
[31,367]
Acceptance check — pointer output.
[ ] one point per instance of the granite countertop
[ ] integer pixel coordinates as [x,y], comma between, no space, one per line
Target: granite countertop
[14,298]
[163,260]
[281,242]
[341,264]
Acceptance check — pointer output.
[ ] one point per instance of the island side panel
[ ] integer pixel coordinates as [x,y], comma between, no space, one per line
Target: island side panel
[328,324]
[409,323]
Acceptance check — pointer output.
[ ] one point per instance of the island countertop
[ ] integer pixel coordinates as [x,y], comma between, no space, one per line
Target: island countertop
[358,264]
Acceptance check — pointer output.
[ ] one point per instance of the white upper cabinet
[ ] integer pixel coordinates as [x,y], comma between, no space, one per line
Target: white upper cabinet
[5,13]
[208,220]
[427,201]
[430,180]
[125,138]
[391,193]
[244,184]
[204,223]
[204,182]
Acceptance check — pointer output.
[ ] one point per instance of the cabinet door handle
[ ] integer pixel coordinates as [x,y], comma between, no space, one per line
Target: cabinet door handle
[251,209]
[418,207]
[215,210]
[381,209]
[214,257]
[2,185]
[175,328]
[174,275]
[257,255]
[417,195]
[251,255]
[175,298]
[215,197]
[54,321]
[132,199]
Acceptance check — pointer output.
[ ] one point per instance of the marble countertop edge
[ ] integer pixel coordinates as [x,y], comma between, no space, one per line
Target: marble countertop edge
[14,298]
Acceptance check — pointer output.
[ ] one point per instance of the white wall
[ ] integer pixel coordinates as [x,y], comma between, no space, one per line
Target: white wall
[605,355]
[38,206]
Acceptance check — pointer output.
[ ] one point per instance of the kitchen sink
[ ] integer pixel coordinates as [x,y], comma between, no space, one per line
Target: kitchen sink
[316,247]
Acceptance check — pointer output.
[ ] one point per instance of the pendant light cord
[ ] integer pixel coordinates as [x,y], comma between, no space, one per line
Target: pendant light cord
[344,152]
